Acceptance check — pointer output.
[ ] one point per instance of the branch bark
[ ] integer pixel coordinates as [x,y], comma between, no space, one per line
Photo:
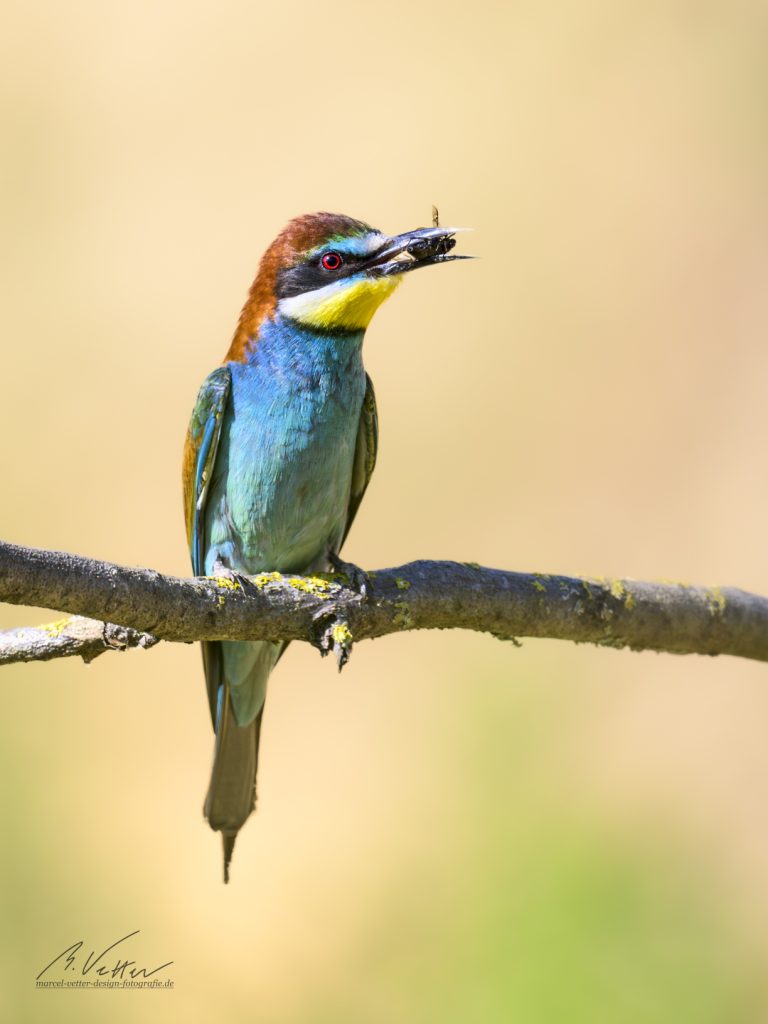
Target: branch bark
[327,611]
[73,634]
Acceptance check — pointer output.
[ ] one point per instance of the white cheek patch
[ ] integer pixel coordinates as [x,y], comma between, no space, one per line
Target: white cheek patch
[348,304]
[373,242]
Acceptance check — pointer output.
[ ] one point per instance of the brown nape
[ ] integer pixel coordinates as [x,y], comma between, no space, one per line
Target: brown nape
[300,234]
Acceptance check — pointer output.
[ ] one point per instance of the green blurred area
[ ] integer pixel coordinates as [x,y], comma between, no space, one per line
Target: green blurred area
[454,829]
[488,892]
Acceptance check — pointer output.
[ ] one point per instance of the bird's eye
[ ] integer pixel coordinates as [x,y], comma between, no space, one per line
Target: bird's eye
[331,261]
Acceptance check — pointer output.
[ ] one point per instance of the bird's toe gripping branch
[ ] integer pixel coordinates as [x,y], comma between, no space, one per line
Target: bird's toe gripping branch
[331,630]
[359,579]
[221,571]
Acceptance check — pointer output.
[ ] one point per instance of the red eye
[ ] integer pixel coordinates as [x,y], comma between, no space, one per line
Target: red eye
[331,261]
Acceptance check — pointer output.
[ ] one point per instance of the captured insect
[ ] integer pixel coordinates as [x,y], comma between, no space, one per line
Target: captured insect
[426,248]
[423,246]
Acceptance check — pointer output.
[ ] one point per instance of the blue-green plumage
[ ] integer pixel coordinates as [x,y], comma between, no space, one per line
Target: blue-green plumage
[277,471]
[280,450]
[280,490]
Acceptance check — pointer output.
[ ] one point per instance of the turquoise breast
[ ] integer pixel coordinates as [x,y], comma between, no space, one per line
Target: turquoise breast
[280,491]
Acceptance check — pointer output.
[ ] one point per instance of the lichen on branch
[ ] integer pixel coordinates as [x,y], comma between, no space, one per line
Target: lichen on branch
[330,612]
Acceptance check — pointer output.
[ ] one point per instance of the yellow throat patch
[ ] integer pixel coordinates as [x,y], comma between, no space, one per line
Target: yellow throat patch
[346,305]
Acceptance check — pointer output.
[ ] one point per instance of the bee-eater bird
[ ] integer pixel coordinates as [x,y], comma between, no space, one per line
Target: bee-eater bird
[281,448]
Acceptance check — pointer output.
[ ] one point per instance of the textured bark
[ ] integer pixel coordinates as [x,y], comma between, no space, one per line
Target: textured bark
[327,611]
[73,634]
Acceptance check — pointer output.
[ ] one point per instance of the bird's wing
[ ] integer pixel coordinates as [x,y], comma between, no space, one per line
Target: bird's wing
[199,458]
[366,447]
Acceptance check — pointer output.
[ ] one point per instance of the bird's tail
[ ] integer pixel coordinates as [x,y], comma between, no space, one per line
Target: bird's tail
[232,790]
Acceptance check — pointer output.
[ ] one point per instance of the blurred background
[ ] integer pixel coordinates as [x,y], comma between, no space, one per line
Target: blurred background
[454,829]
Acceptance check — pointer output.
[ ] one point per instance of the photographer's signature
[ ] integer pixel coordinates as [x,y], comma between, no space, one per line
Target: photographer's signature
[101,964]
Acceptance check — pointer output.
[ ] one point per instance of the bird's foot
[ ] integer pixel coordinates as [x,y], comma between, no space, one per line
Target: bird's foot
[223,571]
[358,578]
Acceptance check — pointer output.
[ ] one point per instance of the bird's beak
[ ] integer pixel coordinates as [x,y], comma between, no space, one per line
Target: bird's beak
[419,248]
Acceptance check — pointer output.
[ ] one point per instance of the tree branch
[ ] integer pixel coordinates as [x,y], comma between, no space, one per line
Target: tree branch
[327,611]
[70,635]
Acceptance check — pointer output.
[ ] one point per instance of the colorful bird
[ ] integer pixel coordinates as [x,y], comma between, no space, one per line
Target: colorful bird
[281,448]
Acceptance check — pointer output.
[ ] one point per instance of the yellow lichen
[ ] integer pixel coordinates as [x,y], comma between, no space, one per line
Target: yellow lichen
[715,600]
[310,584]
[226,582]
[263,578]
[341,634]
[54,629]
[538,581]
[472,565]
[403,617]
[402,584]
[620,592]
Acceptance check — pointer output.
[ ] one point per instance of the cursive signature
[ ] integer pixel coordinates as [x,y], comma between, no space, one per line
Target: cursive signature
[122,968]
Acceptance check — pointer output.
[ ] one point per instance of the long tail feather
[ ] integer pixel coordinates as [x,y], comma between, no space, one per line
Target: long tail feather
[228,843]
[232,790]
[236,675]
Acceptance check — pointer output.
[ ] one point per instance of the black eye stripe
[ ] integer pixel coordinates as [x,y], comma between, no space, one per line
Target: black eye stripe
[306,277]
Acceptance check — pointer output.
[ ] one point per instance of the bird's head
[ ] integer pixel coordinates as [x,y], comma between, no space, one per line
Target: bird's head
[331,273]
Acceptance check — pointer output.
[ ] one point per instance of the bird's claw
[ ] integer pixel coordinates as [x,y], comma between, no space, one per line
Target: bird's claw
[358,578]
[243,581]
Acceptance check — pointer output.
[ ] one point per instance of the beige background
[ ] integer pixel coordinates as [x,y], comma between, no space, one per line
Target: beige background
[454,829]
